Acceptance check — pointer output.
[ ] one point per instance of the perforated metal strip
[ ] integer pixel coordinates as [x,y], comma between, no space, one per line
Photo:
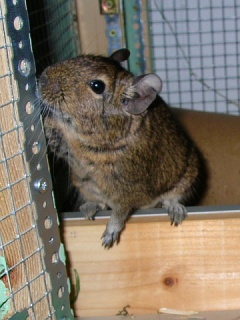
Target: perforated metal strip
[113,32]
[134,35]
[35,148]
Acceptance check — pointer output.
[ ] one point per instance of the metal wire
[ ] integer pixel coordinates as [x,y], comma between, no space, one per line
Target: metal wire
[12,218]
[195,50]
[53,31]
[32,271]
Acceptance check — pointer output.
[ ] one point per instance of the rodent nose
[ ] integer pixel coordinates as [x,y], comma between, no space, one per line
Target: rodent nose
[44,81]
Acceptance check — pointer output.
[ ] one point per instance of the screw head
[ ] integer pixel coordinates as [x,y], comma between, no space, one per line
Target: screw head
[41,185]
[109,6]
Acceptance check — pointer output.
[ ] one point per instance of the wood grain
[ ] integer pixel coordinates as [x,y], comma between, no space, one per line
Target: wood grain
[195,266]
[211,315]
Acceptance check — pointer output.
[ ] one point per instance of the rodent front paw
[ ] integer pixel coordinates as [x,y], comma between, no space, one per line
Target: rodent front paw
[110,235]
[89,209]
[109,239]
[177,213]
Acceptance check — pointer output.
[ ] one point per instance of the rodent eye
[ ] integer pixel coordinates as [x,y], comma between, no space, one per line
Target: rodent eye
[97,86]
[125,101]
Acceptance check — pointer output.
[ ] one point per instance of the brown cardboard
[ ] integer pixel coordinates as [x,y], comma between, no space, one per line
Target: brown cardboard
[218,138]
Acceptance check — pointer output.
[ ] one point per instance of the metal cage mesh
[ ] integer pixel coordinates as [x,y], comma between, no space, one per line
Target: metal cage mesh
[23,276]
[196,52]
[53,31]
[33,283]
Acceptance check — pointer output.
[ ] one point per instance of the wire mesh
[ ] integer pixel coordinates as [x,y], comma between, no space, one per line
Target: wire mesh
[53,31]
[33,283]
[23,275]
[54,37]
[196,52]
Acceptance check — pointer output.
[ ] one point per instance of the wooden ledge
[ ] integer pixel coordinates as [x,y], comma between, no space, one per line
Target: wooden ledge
[195,266]
[156,214]
[211,315]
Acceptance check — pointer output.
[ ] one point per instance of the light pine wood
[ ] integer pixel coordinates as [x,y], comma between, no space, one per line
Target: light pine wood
[211,315]
[18,238]
[195,266]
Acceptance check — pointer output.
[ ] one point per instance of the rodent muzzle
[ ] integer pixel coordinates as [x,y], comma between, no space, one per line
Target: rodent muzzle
[52,87]
[43,80]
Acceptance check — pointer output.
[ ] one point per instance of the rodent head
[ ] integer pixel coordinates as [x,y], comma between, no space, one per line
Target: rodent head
[96,98]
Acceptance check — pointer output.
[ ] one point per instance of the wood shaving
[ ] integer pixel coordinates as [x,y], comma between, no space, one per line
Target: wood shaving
[177,312]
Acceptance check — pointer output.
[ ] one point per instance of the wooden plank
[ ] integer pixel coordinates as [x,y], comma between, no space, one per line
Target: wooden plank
[213,315]
[195,266]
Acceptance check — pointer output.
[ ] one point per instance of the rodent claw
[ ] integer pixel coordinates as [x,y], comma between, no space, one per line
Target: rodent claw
[109,239]
[89,209]
[177,214]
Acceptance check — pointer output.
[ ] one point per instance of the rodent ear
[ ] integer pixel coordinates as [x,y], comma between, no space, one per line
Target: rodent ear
[120,55]
[146,88]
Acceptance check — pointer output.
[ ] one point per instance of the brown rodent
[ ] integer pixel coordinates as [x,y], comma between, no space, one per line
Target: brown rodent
[124,147]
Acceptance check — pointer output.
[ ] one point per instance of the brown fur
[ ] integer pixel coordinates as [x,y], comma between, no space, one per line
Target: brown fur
[118,158]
